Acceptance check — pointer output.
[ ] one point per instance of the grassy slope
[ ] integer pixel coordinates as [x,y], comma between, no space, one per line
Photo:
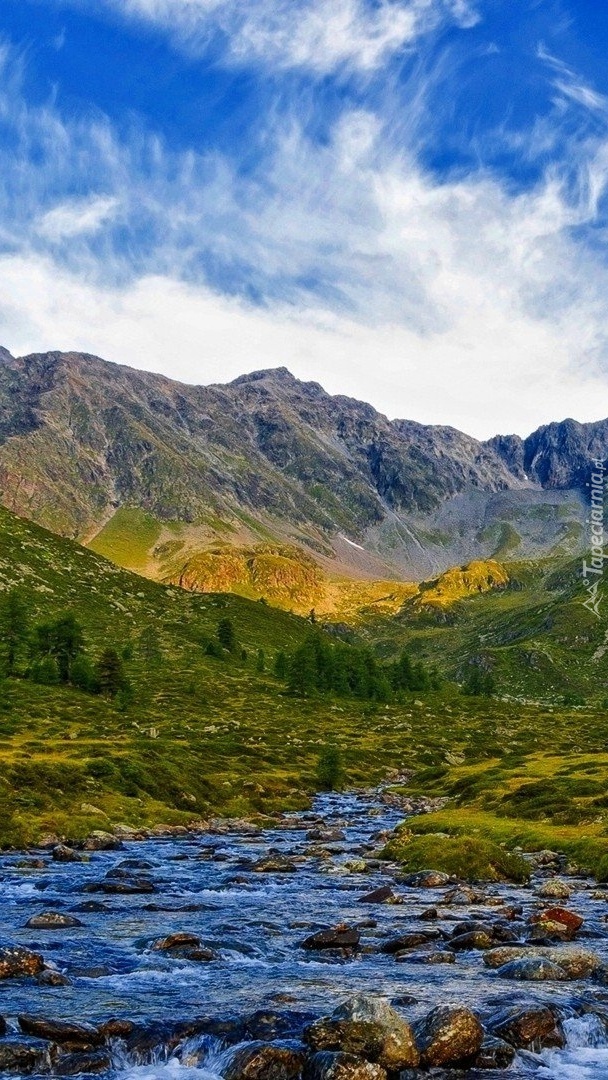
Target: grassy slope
[230,741]
[534,635]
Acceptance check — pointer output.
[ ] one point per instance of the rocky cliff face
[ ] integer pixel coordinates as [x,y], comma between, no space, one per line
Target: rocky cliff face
[268,456]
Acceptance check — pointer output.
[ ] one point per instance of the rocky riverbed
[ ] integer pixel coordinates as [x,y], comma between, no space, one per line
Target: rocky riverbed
[295,953]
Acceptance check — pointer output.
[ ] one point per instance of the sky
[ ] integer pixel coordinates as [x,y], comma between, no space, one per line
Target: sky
[404,200]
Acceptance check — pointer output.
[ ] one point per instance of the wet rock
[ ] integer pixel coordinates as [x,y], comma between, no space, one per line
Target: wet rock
[102,841]
[340,937]
[24,1056]
[90,1063]
[15,962]
[569,920]
[91,972]
[429,915]
[383,895]
[269,1025]
[425,879]
[274,864]
[434,956]
[125,886]
[449,1034]
[533,1028]
[494,1054]
[338,1066]
[265,1061]
[31,864]
[52,920]
[63,853]
[49,977]
[66,1032]
[532,969]
[574,960]
[464,895]
[475,939]
[175,941]
[398,1049]
[184,947]
[134,864]
[326,836]
[555,890]
[358,1037]
[117,1028]
[409,941]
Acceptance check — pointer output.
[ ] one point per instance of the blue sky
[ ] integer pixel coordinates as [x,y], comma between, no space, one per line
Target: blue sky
[402,199]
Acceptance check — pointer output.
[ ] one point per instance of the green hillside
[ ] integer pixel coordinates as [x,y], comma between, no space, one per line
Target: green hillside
[529,629]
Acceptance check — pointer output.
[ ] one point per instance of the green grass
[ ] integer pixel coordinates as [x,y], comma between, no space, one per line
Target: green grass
[128,538]
[470,857]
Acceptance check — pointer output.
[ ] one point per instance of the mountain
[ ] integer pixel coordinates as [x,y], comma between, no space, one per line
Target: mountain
[153,473]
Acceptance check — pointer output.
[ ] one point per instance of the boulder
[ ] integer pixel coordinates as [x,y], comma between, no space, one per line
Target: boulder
[383,895]
[15,962]
[326,836]
[65,1032]
[559,917]
[23,1056]
[358,1037]
[274,864]
[121,886]
[63,853]
[447,1035]
[102,841]
[49,977]
[575,961]
[532,969]
[338,1066]
[265,1061]
[88,1063]
[475,939]
[494,1054]
[554,889]
[409,941]
[340,937]
[534,1028]
[52,920]
[398,1050]
[425,879]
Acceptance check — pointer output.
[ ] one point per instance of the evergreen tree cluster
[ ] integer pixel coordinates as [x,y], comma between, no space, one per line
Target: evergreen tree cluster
[54,652]
[318,666]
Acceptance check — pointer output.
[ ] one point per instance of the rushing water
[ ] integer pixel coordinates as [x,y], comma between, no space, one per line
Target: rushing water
[255,923]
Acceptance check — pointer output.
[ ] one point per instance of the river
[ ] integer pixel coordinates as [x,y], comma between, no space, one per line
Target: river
[253,923]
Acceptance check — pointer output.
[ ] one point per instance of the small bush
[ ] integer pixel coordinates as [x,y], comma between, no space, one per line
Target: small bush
[329,769]
[467,857]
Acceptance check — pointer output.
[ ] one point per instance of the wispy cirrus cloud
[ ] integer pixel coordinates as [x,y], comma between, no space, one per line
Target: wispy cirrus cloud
[456,299]
[318,36]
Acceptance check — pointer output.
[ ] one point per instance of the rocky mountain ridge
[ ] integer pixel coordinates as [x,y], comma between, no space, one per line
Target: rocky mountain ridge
[268,457]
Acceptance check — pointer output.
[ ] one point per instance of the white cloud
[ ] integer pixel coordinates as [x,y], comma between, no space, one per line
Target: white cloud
[456,302]
[317,35]
[77,217]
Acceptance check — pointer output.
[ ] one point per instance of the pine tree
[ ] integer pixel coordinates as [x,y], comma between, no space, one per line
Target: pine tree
[149,645]
[280,665]
[260,664]
[110,673]
[226,635]
[14,628]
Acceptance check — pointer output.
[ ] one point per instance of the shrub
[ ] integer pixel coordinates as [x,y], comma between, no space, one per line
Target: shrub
[329,769]
[467,857]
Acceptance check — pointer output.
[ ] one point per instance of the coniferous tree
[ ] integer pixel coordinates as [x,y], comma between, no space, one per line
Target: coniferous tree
[149,645]
[63,641]
[280,665]
[110,673]
[260,664]
[226,635]
[14,629]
